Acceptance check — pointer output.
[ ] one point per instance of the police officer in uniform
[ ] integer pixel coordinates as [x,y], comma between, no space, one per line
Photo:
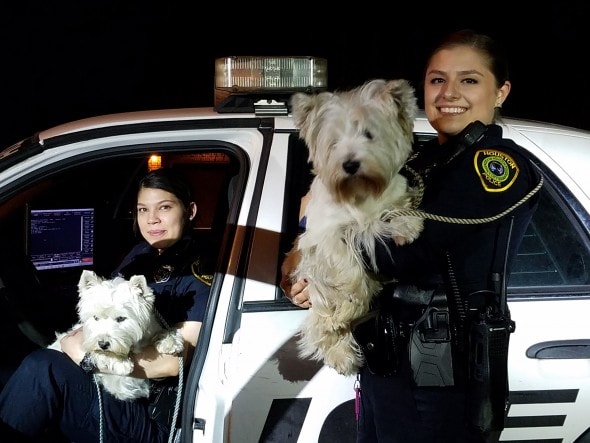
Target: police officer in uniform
[479,192]
[54,391]
[468,185]
[483,191]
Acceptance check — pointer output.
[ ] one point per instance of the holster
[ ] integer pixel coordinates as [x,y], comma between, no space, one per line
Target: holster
[431,358]
[412,324]
[384,333]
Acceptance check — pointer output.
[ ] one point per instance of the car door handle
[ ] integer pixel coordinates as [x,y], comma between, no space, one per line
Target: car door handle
[565,349]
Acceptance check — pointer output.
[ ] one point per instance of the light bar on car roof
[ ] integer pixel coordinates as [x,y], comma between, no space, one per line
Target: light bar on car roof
[264,84]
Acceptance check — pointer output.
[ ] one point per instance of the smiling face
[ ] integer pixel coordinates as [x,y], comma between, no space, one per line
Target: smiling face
[161,217]
[459,88]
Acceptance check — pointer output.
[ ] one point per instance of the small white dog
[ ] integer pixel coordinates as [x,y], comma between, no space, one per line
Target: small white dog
[358,141]
[118,318]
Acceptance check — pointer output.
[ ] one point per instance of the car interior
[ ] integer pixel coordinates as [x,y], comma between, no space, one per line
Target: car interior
[81,217]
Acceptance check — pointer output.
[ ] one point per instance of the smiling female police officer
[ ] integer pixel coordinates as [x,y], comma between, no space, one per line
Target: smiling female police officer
[479,194]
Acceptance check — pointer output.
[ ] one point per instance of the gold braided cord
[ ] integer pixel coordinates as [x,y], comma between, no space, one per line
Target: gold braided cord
[388,215]
[420,189]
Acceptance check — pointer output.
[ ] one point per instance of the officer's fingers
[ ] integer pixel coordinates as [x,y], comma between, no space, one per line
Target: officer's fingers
[305,304]
[299,286]
[301,299]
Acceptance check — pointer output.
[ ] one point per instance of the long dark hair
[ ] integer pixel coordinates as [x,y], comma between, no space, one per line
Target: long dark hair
[172,181]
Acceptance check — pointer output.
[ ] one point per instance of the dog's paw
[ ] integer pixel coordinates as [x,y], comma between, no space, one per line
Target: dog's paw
[125,388]
[336,349]
[169,341]
[407,229]
[342,357]
[113,365]
[401,240]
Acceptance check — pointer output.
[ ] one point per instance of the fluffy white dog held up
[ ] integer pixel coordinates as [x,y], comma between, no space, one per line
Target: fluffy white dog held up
[358,141]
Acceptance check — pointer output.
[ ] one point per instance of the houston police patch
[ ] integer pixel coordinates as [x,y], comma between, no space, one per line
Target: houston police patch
[204,277]
[496,169]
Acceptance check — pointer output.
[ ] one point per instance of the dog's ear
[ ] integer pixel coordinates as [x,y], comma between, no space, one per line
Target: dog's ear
[404,97]
[301,107]
[88,279]
[305,109]
[138,284]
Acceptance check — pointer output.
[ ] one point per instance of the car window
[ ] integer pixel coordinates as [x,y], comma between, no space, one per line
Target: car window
[554,253]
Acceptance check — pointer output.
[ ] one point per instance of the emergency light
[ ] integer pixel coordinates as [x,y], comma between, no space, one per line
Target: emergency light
[264,84]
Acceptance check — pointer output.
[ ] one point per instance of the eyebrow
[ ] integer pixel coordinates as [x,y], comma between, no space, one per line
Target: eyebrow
[463,73]
[156,203]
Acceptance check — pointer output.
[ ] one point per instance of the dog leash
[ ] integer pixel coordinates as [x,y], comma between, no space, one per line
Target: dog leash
[176,403]
[390,214]
[178,397]
[100,410]
[180,383]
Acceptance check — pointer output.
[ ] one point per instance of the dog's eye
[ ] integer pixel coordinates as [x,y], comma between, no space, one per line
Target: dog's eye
[120,319]
[95,317]
[368,134]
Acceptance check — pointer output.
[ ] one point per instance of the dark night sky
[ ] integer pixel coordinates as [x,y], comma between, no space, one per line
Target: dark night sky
[67,60]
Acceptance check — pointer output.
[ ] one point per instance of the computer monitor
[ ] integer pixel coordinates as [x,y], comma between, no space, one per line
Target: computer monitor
[60,238]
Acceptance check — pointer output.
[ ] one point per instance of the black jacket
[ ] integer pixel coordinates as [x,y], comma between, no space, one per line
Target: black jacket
[480,181]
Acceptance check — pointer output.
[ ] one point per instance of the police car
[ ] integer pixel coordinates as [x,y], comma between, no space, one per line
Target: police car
[66,196]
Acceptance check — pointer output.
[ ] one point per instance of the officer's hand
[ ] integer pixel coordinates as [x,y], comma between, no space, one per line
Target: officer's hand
[71,344]
[299,294]
[296,292]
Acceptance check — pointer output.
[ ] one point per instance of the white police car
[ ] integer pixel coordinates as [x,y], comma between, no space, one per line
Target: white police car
[249,170]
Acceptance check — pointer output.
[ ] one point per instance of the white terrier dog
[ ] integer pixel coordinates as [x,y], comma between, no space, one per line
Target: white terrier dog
[358,141]
[118,318]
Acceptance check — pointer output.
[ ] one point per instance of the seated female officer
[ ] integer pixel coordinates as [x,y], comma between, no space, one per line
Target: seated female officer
[50,389]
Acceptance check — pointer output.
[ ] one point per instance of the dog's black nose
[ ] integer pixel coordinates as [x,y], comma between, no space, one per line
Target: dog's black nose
[104,345]
[351,166]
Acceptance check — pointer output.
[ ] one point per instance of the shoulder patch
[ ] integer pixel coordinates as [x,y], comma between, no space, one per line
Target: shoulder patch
[496,169]
[199,274]
[205,278]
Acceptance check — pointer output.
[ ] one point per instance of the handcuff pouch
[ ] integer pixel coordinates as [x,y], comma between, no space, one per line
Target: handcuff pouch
[380,338]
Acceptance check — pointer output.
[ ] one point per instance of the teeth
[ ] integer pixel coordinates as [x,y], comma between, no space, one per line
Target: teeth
[455,110]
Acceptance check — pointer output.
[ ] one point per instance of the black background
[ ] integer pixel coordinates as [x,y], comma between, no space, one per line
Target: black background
[65,60]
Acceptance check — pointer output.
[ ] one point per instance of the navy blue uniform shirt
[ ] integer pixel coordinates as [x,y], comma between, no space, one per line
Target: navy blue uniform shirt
[482,181]
[179,277]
